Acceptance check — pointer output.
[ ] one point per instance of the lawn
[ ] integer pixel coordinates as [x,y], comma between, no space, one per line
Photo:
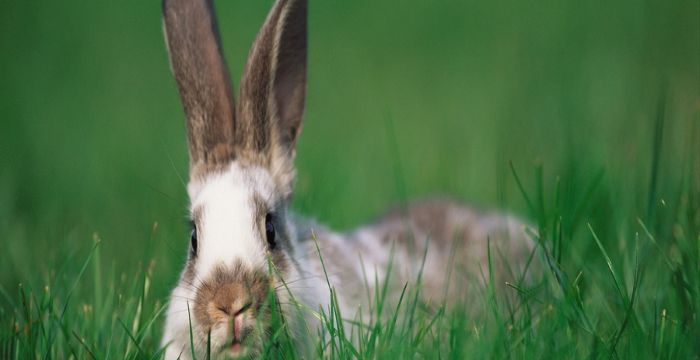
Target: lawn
[581,117]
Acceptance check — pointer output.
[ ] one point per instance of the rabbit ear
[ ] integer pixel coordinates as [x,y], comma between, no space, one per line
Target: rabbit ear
[200,71]
[273,85]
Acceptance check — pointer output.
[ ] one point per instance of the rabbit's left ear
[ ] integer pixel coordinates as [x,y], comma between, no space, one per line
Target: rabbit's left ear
[273,86]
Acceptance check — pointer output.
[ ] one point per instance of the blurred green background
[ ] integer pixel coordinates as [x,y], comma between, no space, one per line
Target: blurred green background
[405,99]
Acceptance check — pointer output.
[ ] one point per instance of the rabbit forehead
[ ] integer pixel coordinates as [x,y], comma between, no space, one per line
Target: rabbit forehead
[229,209]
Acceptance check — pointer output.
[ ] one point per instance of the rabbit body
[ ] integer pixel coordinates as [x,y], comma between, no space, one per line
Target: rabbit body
[245,243]
[428,238]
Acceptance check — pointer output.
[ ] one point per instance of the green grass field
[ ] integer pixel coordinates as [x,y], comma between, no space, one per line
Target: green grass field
[582,117]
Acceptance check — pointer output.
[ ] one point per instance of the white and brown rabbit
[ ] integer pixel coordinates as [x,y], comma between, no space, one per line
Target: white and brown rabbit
[245,242]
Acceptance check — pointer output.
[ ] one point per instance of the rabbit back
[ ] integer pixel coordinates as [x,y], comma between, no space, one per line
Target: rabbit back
[444,242]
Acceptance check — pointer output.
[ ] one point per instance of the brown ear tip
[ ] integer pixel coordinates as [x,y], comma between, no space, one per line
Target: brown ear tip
[166,7]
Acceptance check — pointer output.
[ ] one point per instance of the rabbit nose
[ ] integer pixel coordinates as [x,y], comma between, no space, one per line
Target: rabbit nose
[232,299]
[234,310]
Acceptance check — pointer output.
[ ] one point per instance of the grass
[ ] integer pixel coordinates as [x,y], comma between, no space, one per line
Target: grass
[644,304]
[581,118]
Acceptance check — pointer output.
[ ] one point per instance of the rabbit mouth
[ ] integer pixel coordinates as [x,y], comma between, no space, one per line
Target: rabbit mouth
[238,342]
[233,349]
[236,350]
[236,346]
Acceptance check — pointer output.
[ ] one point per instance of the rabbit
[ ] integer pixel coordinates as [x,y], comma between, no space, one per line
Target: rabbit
[245,241]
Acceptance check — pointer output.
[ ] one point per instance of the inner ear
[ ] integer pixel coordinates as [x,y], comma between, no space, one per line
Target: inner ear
[289,84]
[273,86]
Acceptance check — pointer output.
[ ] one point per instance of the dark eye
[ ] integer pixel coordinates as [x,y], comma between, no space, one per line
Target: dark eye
[270,231]
[193,239]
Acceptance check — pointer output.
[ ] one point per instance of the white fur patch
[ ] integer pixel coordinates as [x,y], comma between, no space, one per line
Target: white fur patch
[228,226]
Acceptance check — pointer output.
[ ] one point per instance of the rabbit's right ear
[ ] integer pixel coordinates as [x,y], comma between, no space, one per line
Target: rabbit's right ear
[202,79]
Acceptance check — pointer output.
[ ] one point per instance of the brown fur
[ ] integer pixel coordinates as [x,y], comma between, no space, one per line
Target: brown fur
[274,81]
[227,291]
[262,129]
[202,79]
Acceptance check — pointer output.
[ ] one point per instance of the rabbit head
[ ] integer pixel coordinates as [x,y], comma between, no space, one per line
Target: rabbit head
[241,174]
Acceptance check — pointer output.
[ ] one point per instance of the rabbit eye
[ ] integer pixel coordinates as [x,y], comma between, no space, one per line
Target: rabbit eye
[193,239]
[270,231]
